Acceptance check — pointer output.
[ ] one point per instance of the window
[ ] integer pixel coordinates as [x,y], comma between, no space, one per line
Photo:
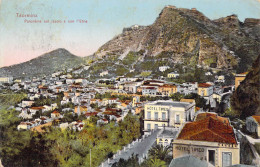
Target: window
[177,119]
[155,126]
[148,126]
[211,154]
[226,159]
[149,115]
[163,116]
[156,115]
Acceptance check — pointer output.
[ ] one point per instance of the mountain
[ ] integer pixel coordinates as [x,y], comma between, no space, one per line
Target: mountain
[189,37]
[45,64]
[246,98]
[183,39]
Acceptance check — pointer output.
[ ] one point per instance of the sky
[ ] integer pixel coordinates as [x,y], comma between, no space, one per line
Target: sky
[21,41]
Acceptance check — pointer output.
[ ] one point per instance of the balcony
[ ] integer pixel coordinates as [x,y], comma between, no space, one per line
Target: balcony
[156,119]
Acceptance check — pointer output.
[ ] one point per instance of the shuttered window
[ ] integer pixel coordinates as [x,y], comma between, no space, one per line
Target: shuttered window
[226,159]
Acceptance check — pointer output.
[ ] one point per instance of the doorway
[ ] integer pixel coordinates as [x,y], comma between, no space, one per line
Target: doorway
[211,154]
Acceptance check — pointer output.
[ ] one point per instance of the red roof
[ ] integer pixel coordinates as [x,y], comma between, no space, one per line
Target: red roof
[257,118]
[37,108]
[205,85]
[55,112]
[202,116]
[209,129]
[167,86]
[105,120]
[113,109]
[149,88]
[91,113]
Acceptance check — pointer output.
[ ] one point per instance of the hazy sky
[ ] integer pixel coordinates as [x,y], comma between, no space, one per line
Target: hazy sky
[20,41]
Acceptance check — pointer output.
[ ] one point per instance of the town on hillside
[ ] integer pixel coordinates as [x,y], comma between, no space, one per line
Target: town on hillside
[192,122]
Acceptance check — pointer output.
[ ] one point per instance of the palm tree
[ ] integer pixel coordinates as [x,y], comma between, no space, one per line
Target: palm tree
[160,152]
[157,163]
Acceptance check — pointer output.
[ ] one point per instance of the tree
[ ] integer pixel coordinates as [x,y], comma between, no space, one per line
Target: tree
[200,101]
[160,152]
[176,96]
[157,163]
[131,162]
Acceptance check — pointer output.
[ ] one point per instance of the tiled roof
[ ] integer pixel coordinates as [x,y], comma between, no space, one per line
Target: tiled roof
[204,85]
[37,108]
[168,86]
[55,112]
[257,118]
[91,113]
[104,119]
[188,100]
[209,129]
[202,116]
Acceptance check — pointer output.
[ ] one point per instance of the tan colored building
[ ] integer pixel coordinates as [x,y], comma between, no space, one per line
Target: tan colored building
[55,114]
[6,79]
[163,113]
[208,139]
[205,89]
[167,89]
[239,78]
[136,100]
[80,110]
[24,126]
[173,75]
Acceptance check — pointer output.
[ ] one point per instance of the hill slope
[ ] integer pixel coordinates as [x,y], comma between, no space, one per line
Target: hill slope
[246,98]
[183,35]
[45,64]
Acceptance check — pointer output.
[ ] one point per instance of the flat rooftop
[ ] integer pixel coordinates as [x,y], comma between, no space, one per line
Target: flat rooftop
[170,103]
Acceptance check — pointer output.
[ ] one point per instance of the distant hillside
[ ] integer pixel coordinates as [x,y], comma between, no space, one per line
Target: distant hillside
[188,37]
[45,64]
[246,98]
[183,39]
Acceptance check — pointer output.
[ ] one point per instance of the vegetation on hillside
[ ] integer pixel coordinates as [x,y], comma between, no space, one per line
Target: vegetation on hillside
[246,99]
[58,147]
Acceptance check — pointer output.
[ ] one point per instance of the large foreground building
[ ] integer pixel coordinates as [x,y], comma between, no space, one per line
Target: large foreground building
[211,139]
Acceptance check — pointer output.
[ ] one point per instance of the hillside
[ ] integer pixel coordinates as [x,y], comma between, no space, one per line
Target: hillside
[45,64]
[188,37]
[183,39]
[246,98]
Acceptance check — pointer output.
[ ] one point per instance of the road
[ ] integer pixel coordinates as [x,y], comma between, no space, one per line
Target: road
[140,148]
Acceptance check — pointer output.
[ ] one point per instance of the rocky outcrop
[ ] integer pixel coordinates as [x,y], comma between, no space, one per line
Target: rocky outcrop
[222,43]
[246,98]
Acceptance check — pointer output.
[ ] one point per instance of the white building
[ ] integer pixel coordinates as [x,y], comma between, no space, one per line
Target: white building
[103,73]
[163,68]
[167,113]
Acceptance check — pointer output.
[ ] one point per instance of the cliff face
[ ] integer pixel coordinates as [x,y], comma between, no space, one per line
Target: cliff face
[188,34]
[246,98]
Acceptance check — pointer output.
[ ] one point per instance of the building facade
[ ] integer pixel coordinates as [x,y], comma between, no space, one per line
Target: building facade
[6,79]
[164,113]
[205,90]
[210,140]
[239,78]
[167,90]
